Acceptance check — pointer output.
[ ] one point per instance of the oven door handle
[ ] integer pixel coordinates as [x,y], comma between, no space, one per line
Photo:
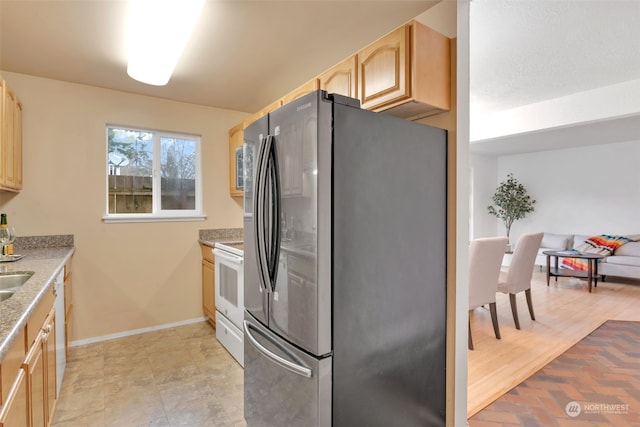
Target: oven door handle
[296,369]
[228,256]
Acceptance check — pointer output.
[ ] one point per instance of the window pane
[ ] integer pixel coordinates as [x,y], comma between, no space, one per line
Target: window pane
[130,171]
[178,171]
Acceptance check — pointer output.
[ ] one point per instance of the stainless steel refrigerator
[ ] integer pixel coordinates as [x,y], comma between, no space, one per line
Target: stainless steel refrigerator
[345,267]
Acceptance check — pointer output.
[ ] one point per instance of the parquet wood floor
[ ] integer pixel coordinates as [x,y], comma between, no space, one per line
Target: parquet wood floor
[594,383]
[565,313]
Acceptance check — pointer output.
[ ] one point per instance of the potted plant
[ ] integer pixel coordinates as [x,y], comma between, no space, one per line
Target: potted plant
[510,202]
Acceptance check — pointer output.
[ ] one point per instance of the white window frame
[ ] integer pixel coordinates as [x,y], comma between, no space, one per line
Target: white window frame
[158,214]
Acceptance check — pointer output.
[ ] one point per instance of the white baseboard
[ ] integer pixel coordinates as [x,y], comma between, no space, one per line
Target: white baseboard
[135,332]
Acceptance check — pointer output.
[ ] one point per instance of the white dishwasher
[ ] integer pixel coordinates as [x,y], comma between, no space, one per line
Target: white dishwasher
[61,355]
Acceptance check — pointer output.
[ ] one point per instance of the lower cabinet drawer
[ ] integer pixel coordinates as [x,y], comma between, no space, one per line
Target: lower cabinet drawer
[230,337]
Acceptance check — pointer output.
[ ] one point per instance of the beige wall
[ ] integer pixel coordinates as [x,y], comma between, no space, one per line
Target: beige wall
[126,276]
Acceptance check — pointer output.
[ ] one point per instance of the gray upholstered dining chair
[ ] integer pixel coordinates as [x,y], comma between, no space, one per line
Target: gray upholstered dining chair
[485,259]
[518,277]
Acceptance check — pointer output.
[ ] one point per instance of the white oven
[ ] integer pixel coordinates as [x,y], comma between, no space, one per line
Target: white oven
[229,285]
[229,282]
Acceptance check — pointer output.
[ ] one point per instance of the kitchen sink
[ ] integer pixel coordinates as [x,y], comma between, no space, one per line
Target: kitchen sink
[11,282]
[5,295]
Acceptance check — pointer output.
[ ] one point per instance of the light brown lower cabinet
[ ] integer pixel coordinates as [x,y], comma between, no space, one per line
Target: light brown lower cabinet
[35,364]
[15,411]
[40,365]
[49,346]
[29,400]
[68,304]
[208,284]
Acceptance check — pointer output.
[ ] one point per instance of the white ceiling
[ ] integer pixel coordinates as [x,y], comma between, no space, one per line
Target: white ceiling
[528,51]
[246,53]
[524,52]
[243,54]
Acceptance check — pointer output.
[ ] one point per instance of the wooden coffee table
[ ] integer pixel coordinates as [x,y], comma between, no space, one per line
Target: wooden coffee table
[592,266]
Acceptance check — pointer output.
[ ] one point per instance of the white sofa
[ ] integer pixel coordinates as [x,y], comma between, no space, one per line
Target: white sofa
[625,261]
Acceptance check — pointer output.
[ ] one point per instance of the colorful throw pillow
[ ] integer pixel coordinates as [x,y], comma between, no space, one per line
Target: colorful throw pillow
[604,244]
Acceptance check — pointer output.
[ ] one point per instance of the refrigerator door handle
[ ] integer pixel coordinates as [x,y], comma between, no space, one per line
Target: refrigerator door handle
[296,369]
[274,238]
[259,203]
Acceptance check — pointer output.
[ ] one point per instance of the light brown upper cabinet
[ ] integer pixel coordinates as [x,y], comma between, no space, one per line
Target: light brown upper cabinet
[306,88]
[406,73]
[236,141]
[236,178]
[10,140]
[266,110]
[342,78]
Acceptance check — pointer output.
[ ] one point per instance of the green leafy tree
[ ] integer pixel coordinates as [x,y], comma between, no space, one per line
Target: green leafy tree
[510,202]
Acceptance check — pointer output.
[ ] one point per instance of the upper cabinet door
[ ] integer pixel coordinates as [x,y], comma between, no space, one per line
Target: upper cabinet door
[10,139]
[269,108]
[9,146]
[341,78]
[3,131]
[384,70]
[306,88]
[236,175]
[407,73]
[17,145]
[8,143]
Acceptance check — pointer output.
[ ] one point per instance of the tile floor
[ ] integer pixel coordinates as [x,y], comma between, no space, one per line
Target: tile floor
[179,376]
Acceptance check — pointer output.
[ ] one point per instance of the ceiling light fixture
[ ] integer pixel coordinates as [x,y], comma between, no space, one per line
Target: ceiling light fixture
[157,33]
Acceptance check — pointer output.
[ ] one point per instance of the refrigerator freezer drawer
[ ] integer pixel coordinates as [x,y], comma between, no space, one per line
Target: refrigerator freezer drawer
[230,337]
[283,386]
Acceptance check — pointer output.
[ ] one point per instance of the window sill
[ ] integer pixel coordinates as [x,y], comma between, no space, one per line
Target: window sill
[110,219]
